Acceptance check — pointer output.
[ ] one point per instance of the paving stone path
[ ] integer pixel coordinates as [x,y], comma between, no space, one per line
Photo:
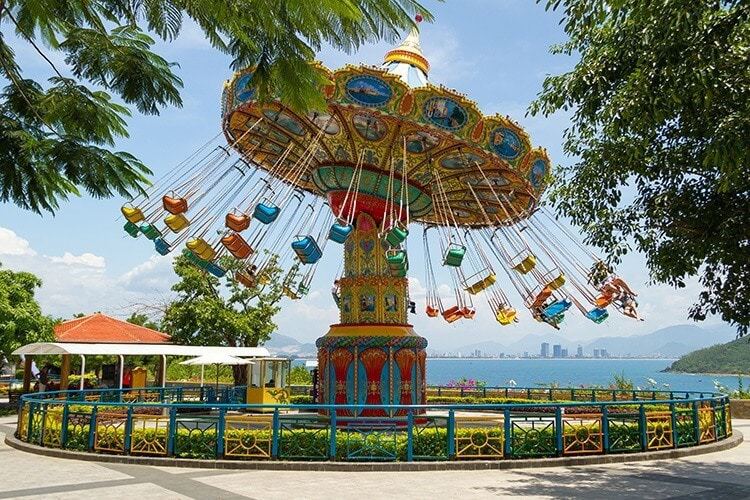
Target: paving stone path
[713,476]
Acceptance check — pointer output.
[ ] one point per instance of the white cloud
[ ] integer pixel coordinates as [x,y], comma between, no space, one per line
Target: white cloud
[85,259]
[12,244]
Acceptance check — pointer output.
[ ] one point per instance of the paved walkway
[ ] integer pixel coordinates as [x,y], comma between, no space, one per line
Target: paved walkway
[714,476]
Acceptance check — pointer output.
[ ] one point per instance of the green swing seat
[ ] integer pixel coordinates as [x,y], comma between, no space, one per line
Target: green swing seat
[150,231]
[454,256]
[396,236]
[131,229]
[397,263]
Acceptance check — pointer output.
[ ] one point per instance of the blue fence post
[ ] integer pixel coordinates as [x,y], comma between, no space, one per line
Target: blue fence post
[605,428]
[332,439]
[673,424]
[172,430]
[572,394]
[220,428]
[451,433]
[558,431]
[550,394]
[92,427]
[642,427]
[275,438]
[410,436]
[128,430]
[696,423]
[29,434]
[64,424]
[507,450]
[713,414]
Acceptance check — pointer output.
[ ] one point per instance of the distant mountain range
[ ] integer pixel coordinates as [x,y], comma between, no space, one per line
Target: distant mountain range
[672,341]
[285,345]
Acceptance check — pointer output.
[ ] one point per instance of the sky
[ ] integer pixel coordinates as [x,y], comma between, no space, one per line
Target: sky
[495,52]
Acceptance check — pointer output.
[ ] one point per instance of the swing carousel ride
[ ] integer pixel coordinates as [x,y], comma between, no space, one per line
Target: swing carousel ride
[390,150]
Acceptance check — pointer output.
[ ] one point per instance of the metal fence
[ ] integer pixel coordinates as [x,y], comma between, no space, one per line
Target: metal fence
[188,422]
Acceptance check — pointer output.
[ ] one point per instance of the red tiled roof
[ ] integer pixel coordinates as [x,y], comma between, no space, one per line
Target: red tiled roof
[103,329]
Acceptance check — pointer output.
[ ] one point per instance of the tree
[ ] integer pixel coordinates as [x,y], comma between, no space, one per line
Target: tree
[21,318]
[213,311]
[142,320]
[56,138]
[661,119]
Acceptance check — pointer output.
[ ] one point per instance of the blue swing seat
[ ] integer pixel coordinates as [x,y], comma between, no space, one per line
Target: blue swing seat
[339,233]
[161,246]
[209,267]
[307,250]
[556,308]
[215,269]
[266,212]
[597,315]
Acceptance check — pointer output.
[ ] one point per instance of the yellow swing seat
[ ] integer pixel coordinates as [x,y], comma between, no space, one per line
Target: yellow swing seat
[201,248]
[131,213]
[557,282]
[480,284]
[527,264]
[506,315]
[176,222]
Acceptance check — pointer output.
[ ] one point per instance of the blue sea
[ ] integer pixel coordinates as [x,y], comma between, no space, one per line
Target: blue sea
[571,373]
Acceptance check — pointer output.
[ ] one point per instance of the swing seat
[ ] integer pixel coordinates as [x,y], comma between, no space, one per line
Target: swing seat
[506,316]
[150,231]
[597,315]
[290,293]
[454,256]
[161,246]
[396,236]
[603,300]
[237,222]
[526,264]
[266,212]
[307,250]
[468,312]
[237,246]
[176,222]
[556,283]
[556,308]
[398,263]
[174,206]
[303,289]
[246,279]
[432,312]
[452,314]
[201,248]
[481,283]
[215,269]
[131,213]
[339,232]
[131,229]
[540,298]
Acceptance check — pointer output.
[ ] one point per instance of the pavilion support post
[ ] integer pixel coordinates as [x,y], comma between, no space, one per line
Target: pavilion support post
[122,368]
[161,371]
[83,371]
[27,360]
[64,372]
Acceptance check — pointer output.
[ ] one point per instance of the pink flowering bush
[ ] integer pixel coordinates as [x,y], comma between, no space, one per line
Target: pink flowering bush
[464,383]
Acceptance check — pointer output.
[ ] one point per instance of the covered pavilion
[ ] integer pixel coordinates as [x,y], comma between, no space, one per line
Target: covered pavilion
[101,335]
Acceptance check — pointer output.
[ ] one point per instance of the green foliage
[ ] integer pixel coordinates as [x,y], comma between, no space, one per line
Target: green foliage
[301,400]
[21,318]
[55,138]
[621,382]
[213,311]
[660,103]
[732,357]
[300,376]
[142,320]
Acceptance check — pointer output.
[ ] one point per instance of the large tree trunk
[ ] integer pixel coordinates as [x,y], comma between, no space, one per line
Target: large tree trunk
[239,372]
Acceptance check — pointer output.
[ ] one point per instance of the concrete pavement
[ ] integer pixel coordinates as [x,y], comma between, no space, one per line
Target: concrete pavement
[715,476]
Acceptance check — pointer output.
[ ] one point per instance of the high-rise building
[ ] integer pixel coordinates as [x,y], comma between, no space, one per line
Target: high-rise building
[603,353]
[545,350]
[597,353]
[557,351]
[564,353]
[579,352]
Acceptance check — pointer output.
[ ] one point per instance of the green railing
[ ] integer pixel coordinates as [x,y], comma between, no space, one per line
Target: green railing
[189,423]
